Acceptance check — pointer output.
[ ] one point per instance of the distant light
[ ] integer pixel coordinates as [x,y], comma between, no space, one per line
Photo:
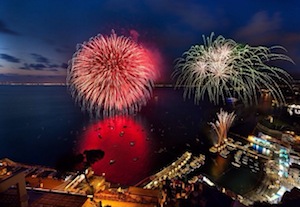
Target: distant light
[205,179]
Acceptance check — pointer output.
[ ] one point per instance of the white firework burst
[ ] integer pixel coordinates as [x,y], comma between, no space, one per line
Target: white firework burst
[222,125]
[222,68]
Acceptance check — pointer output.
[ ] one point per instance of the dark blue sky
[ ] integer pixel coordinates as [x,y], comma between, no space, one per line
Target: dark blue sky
[38,37]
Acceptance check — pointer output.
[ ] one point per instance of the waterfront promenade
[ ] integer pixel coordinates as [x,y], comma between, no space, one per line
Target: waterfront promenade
[177,169]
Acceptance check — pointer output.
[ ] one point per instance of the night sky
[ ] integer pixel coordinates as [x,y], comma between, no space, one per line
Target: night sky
[39,37]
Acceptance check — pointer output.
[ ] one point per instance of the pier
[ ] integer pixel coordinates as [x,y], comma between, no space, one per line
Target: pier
[179,168]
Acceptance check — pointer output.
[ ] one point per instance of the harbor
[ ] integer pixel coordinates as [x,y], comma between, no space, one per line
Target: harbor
[172,184]
[145,151]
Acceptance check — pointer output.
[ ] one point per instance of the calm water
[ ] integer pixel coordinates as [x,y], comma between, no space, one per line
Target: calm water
[41,125]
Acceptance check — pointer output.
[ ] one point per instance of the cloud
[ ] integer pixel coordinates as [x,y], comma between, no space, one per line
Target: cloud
[64,65]
[292,39]
[262,28]
[5,30]
[45,67]
[198,18]
[33,70]
[53,66]
[17,78]
[39,58]
[267,30]
[43,63]
[33,66]
[25,67]
[9,58]
[194,15]
[37,66]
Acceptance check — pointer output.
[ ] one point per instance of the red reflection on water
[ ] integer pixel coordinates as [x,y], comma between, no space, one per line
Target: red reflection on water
[220,166]
[124,141]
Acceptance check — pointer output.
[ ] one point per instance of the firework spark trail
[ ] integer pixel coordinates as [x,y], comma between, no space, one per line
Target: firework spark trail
[223,124]
[111,75]
[222,68]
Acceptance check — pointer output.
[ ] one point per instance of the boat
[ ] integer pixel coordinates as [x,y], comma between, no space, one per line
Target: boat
[236,164]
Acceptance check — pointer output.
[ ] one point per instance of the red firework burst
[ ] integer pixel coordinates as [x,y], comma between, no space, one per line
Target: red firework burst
[111,74]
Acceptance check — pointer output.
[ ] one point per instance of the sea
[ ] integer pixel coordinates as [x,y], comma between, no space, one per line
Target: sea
[42,125]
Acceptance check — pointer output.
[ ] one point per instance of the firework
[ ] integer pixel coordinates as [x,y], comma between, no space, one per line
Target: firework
[111,75]
[222,125]
[222,68]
